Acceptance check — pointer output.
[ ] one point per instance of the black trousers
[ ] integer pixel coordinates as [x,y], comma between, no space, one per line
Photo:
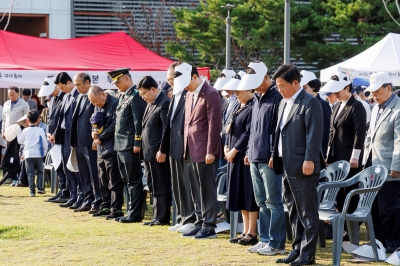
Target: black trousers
[22,176]
[111,184]
[159,182]
[386,214]
[204,191]
[132,174]
[300,195]
[182,195]
[62,182]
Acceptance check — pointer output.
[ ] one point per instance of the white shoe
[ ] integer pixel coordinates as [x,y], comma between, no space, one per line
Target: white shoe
[259,245]
[175,227]
[186,228]
[270,251]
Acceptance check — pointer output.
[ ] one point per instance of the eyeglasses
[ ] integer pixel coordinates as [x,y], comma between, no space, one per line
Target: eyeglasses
[142,94]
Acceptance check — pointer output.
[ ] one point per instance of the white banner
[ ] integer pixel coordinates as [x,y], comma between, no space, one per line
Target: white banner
[353,73]
[35,78]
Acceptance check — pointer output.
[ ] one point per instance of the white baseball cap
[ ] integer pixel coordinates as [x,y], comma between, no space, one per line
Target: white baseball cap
[306,76]
[184,78]
[253,81]
[229,74]
[11,132]
[334,86]
[47,86]
[376,81]
[232,84]
[21,121]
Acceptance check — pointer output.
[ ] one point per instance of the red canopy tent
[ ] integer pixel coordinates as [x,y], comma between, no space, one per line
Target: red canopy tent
[25,61]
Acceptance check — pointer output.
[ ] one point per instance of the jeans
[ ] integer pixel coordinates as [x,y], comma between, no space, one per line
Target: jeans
[268,195]
[34,166]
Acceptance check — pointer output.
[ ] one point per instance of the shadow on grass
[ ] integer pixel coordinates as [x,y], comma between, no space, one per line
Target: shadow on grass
[14,232]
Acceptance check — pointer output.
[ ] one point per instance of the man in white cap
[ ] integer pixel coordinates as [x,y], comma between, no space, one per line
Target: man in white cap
[382,147]
[202,146]
[266,184]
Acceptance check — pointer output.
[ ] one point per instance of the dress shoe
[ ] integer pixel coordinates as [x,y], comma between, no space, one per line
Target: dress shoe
[303,260]
[103,212]
[130,220]
[157,222]
[67,204]
[293,255]
[114,215]
[83,209]
[93,210]
[61,199]
[148,223]
[52,199]
[75,206]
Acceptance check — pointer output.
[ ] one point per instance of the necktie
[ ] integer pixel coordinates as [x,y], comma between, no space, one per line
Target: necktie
[380,112]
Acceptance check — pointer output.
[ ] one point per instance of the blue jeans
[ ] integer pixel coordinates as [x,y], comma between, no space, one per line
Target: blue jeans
[268,195]
[34,166]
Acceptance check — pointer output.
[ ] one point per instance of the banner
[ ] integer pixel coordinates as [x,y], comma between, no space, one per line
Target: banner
[352,73]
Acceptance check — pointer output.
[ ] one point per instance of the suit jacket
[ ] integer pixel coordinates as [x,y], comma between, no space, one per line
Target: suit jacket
[172,141]
[347,131]
[327,113]
[81,126]
[54,113]
[203,124]
[153,126]
[227,115]
[301,136]
[128,127]
[383,138]
[64,124]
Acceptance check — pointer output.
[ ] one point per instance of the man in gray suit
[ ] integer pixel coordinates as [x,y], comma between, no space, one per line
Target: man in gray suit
[298,156]
[382,147]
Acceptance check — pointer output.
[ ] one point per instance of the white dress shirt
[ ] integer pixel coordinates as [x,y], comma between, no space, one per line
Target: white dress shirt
[286,111]
[177,98]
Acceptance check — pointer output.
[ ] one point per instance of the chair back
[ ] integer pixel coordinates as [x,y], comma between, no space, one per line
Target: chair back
[371,179]
[335,172]
[221,184]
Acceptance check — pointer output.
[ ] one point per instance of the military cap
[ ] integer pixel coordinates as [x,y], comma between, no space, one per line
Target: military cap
[115,74]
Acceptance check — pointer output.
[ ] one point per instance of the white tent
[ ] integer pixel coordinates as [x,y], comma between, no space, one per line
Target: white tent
[383,56]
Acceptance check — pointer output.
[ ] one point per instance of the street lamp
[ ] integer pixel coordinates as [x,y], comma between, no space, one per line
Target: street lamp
[228,36]
[286,41]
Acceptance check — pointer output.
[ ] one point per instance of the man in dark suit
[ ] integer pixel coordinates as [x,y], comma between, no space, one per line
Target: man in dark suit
[128,138]
[172,144]
[312,85]
[111,184]
[82,140]
[202,145]
[62,134]
[155,163]
[48,88]
[297,155]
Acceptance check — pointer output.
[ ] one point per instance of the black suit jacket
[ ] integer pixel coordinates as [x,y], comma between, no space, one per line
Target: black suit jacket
[81,126]
[64,124]
[347,131]
[54,113]
[172,140]
[327,113]
[153,126]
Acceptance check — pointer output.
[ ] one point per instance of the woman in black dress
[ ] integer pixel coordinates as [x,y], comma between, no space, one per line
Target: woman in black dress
[239,185]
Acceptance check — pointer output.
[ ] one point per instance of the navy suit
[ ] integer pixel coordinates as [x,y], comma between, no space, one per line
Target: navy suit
[87,158]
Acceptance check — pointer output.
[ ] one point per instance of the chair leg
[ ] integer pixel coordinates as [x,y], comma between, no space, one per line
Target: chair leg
[353,229]
[371,235]
[289,233]
[321,234]
[233,223]
[337,239]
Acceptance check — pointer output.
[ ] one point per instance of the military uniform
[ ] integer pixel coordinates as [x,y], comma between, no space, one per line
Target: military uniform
[128,132]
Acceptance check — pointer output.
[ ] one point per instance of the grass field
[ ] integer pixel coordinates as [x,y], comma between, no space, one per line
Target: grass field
[34,232]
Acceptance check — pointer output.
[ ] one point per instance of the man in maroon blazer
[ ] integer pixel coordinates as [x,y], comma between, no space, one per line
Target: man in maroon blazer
[202,146]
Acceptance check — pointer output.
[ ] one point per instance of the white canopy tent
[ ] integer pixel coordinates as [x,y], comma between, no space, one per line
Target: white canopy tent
[383,56]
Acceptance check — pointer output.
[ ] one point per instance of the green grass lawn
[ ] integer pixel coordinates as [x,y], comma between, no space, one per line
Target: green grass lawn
[34,232]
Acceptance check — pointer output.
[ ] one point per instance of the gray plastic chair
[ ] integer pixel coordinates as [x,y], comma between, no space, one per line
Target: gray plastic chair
[335,172]
[50,174]
[370,182]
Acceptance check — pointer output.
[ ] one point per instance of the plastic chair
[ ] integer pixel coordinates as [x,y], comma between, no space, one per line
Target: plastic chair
[370,181]
[50,170]
[335,172]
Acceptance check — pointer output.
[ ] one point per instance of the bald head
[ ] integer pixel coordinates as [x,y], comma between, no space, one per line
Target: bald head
[82,82]
[97,96]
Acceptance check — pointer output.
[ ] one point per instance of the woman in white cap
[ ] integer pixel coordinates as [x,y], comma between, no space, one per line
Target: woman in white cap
[347,131]
[239,186]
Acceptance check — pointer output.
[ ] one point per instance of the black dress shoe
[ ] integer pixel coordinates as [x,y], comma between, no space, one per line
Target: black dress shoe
[303,260]
[114,215]
[61,199]
[52,199]
[75,206]
[103,212]
[93,210]
[83,209]
[148,223]
[67,204]
[293,255]
[157,222]
[130,220]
